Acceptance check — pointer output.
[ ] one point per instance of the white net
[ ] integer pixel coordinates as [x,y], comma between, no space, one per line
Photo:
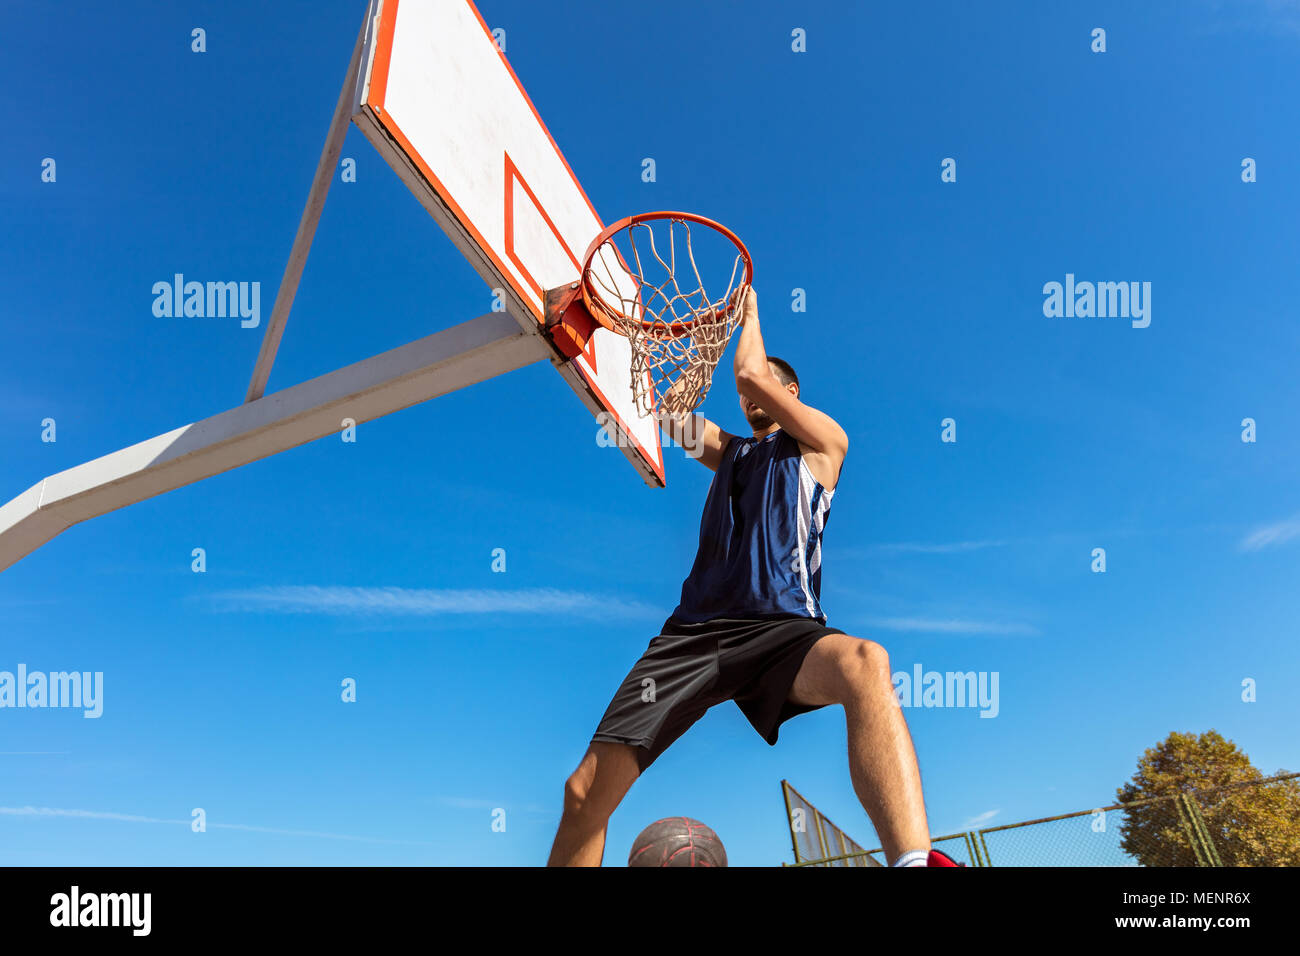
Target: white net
[646,279]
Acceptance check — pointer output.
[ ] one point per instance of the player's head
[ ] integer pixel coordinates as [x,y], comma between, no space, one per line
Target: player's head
[758,419]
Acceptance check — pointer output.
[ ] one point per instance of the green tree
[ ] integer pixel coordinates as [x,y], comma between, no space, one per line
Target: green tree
[1250,823]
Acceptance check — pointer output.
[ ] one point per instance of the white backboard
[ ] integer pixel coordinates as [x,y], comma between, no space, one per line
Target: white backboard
[440,102]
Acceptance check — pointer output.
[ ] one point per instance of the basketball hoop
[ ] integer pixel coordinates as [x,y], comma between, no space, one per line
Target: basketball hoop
[640,278]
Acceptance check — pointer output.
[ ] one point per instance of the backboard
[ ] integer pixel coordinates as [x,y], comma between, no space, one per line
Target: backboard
[440,102]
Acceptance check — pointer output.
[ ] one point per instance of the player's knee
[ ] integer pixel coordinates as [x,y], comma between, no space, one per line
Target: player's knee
[575,794]
[868,664]
[578,807]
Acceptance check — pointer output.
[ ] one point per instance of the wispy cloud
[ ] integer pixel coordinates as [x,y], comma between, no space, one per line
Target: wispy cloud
[1270,535]
[955,547]
[978,821]
[951,626]
[1279,16]
[55,812]
[471,803]
[295,599]
[81,814]
[468,803]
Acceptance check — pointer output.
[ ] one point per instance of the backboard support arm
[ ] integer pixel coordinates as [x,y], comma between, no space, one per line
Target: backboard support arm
[462,355]
[320,188]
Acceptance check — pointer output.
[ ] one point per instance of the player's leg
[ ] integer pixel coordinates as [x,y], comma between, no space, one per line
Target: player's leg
[666,691]
[882,762]
[591,794]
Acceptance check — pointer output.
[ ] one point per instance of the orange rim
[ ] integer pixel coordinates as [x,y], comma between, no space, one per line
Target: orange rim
[606,314]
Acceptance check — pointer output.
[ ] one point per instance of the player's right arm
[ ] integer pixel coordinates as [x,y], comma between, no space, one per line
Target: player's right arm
[703,440]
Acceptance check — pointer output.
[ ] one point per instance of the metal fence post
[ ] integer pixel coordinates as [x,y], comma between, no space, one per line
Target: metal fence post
[1202,831]
[1193,838]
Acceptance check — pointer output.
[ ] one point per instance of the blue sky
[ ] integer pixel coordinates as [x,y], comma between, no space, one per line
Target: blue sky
[479,690]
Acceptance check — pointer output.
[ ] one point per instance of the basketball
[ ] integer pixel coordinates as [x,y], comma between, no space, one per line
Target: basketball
[677,841]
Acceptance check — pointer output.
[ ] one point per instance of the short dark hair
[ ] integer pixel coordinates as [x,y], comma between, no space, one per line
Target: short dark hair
[784,371]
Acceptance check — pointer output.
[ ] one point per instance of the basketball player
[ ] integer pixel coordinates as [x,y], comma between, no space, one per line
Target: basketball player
[750,627]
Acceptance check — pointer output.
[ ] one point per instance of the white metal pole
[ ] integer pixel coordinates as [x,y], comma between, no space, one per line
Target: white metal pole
[440,363]
[320,188]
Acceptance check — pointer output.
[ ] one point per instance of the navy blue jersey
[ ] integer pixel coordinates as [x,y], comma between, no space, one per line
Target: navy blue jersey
[760,537]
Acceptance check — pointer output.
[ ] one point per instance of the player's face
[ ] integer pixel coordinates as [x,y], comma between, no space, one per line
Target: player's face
[757,418]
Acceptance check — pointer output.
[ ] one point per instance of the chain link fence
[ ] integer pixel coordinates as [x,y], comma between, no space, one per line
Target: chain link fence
[817,841]
[1256,823]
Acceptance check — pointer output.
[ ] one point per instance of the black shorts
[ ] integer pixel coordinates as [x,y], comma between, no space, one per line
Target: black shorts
[694,666]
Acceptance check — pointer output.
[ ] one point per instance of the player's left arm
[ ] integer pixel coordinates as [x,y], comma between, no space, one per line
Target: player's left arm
[817,432]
